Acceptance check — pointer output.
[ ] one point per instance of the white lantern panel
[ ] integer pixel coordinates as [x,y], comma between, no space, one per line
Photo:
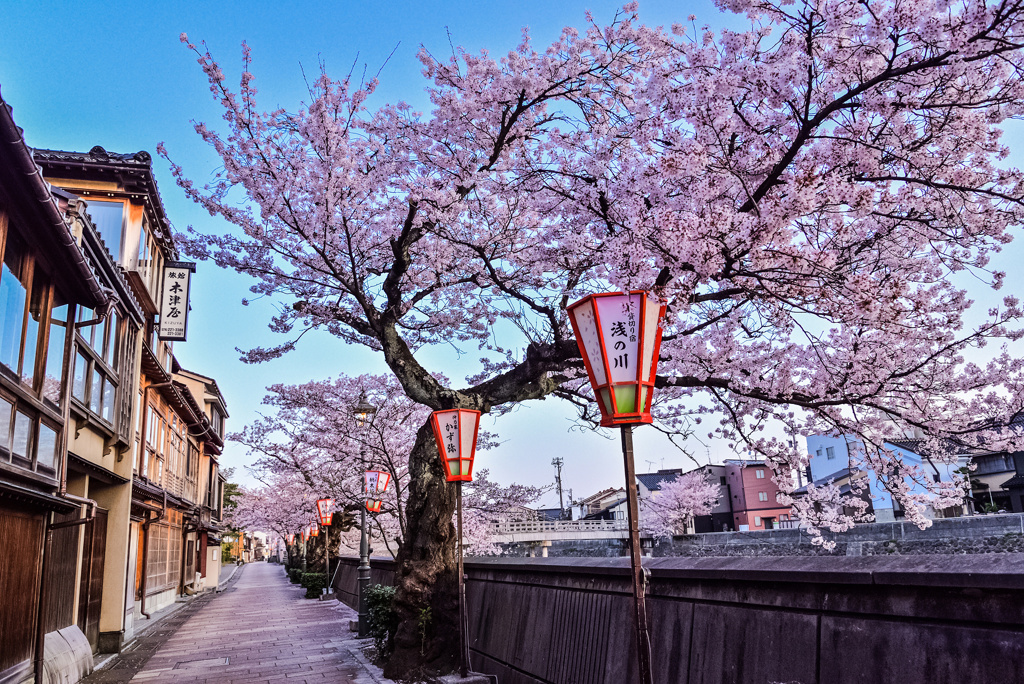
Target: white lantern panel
[620,328]
[586,323]
[371,481]
[652,313]
[467,435]
[449,427]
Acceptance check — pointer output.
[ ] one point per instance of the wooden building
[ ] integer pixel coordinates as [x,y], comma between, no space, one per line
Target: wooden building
[144,436]
[45,284]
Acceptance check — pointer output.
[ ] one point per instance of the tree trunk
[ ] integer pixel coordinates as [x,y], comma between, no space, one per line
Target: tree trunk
[426,601]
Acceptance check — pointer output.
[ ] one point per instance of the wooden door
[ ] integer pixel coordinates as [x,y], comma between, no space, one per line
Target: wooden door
[91,592]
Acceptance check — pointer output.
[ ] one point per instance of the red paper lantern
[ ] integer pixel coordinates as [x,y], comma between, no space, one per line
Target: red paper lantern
[373,505]
[323,509]
[314,530]
[291,539]
[619,335]
[455,431]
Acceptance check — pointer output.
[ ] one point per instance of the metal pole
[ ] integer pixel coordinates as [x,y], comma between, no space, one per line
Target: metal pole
[364,575]
[463,617]
[643,639]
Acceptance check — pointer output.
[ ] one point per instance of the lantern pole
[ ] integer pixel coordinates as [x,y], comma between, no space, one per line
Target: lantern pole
[364,573]
[463,617]
[643,637]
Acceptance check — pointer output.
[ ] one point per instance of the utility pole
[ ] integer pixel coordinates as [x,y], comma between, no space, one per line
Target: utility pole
[557,462]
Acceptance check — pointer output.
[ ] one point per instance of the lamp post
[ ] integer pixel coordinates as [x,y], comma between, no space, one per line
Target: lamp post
[455,431]
[619,335]
[363,411]
[324,512]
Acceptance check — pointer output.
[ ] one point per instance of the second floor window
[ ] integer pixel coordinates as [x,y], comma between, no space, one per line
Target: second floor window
[108,217]
[96,379]
[830,452]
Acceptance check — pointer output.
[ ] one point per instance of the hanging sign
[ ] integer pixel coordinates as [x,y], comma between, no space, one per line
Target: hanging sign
[174,300]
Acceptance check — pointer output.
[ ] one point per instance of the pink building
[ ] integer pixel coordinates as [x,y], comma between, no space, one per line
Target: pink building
[754,496]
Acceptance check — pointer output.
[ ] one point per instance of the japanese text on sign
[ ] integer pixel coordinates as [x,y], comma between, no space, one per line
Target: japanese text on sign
[174,300]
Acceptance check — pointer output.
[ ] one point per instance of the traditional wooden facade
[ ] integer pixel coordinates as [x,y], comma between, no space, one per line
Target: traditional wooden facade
[45,282]
[143,442]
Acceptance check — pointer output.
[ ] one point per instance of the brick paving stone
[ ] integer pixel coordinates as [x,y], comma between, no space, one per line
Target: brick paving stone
[267,631]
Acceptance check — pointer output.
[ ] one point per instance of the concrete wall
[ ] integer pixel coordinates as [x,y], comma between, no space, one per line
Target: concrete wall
[899,620]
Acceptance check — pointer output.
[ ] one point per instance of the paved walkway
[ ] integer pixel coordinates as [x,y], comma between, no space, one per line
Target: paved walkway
[261,629]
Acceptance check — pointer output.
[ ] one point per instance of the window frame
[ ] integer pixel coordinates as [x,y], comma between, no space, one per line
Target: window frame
[111,337]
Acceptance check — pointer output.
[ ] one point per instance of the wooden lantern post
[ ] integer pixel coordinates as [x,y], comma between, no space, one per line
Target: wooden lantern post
[619,335]
[455,431]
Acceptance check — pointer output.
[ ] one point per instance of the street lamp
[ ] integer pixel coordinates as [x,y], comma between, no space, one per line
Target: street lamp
[619,335]
[363,412]
[455,431]
[323,511]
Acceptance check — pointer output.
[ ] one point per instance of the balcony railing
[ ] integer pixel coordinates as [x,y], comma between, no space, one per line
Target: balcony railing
[533,526]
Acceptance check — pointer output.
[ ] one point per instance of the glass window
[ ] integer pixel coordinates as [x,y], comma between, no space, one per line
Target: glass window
[55,354]
[88,332]
[108,217]
[110,343]
[6,408]
[108,400]
[762,496]
[81,371]
[47,450]
[95,395]
[36,315]
[22,432]
[757,521]
[760,474]
[13,296]
[830,452]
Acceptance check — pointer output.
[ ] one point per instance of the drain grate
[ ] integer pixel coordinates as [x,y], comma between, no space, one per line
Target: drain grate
[195,664]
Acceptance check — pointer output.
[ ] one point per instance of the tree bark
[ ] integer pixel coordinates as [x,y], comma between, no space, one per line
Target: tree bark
[426,601]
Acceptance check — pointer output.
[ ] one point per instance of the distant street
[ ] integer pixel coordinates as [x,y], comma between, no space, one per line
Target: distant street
[260,629]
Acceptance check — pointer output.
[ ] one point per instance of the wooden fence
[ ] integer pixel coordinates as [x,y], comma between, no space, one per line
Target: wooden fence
[761,620]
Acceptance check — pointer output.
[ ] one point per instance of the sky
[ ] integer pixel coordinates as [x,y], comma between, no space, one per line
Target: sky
[115,74]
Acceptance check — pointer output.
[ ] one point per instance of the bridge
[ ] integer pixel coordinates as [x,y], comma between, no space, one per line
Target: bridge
[558,530]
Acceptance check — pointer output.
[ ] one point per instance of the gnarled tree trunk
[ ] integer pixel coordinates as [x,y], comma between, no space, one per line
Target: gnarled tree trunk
[426,601]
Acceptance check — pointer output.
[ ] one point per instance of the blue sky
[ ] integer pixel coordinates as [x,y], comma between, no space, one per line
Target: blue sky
[80,74]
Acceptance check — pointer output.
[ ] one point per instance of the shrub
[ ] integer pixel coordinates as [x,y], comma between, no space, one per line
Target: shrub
[295,575]
[314,582]
[381,619]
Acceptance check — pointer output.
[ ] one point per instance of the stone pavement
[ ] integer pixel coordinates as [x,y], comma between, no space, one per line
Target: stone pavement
[260,629]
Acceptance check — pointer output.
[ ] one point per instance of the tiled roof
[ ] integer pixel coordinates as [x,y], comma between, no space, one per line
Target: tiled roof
[653,481]
[134,170]
[838,475]
[20,174]
[1015,481]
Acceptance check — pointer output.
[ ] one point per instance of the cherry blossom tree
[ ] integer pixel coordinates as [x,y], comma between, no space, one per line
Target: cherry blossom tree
[312,439]
[673,506]
[811,197]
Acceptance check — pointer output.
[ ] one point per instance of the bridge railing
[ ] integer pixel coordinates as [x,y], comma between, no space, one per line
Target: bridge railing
[534,526]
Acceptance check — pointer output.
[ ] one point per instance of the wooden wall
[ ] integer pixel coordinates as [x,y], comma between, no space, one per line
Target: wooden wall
[61,575]
[746,620]
[21,542]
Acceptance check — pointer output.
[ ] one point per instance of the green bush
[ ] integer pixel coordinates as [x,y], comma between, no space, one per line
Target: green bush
[295,575]
[381,619]
[314,582]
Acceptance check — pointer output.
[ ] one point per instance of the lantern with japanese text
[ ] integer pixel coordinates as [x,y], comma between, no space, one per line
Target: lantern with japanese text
[314,529]
[291,539]
[375,483]
[455,431]
[323,510]
[619,335]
